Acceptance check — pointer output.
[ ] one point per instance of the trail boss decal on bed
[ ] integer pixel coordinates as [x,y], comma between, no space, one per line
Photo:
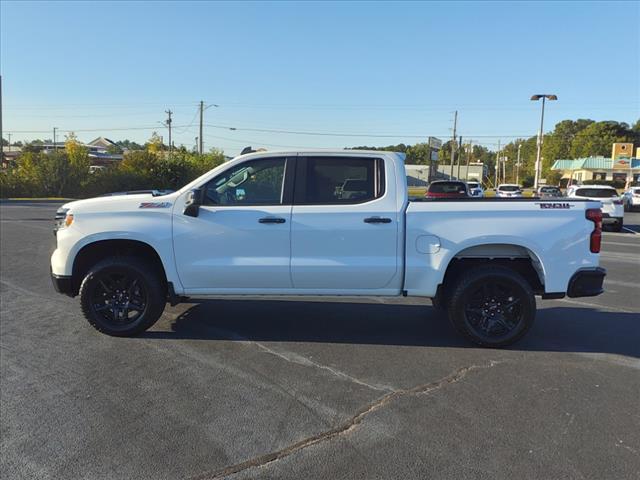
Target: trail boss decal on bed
[555,205]
[155,205]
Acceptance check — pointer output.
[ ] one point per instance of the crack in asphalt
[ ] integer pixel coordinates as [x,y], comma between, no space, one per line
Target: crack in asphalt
[348,426]
[307,362]
[304,361]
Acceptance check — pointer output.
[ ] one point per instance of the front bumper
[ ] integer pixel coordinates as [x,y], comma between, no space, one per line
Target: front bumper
[62,284]
[587,282]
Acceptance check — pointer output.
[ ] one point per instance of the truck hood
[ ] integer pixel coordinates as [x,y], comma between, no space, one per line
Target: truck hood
[120,203]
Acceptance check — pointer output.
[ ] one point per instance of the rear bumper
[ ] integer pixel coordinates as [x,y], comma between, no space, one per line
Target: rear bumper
[609,218]
[587,282]
[62,284]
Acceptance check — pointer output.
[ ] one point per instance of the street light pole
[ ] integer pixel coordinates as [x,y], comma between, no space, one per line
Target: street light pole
[201,137]
[543,96]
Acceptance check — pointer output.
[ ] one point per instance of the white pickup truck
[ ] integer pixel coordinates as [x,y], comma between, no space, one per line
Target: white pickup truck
[325,223]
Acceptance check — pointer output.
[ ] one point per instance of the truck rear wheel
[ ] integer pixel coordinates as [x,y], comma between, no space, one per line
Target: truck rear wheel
[492,306]
[122,296]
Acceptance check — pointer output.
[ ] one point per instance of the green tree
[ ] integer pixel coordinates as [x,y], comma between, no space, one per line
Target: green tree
[142,161]
[596,139]
[154,144]
[418,154]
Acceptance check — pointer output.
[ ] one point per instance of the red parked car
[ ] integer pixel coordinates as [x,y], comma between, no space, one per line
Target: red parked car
[447,189]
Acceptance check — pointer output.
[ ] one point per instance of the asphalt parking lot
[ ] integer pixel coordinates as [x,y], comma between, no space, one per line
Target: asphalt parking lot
[350,388]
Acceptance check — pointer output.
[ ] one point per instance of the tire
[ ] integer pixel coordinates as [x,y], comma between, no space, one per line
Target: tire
[617,227]
[122,296]
[477,303]
[439,301]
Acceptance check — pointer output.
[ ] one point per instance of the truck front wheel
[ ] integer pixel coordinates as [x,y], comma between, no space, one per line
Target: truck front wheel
[122,296]
[492,306]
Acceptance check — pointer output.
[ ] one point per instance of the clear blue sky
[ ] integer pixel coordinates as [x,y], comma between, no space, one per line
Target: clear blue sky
[375,68]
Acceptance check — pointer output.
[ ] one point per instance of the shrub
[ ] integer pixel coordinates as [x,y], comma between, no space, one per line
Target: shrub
[66,173]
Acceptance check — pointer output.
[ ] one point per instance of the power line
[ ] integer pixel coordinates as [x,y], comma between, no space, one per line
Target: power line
[310,133]
[195,115]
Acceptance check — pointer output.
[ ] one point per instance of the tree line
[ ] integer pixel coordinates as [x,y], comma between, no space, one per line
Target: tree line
[569,139]
[66,173]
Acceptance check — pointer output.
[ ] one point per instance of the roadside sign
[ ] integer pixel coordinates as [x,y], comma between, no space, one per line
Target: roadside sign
[435,143]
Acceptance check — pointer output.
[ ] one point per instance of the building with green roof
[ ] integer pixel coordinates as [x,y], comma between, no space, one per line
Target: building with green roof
[598,168]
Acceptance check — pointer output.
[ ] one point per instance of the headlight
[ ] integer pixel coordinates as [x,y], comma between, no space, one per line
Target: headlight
[60,220]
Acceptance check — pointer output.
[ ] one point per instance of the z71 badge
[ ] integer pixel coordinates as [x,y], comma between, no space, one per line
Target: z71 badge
[555,205]
[155,205]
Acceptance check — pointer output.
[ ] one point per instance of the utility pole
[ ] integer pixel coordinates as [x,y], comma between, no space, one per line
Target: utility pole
[497,179]
[55,146]
[1,136]
[518,165]
[504,169]
[201,147]
[430,174]
[453,143]
[459,156]
[469,154]
[169,113]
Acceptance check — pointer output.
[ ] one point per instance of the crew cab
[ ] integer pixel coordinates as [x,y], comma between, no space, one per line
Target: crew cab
[324,223]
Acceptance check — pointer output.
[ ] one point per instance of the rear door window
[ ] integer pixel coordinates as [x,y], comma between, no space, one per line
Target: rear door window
[338,180]
[447,187]
[596,192]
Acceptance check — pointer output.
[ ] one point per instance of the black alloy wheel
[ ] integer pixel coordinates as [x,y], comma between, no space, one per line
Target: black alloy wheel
[123,296]
[119,298]
[493,306]
[493,310]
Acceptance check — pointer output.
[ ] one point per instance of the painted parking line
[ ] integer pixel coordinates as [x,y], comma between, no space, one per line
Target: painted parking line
[629,230]
[622,244]
[595,305]
[621,283]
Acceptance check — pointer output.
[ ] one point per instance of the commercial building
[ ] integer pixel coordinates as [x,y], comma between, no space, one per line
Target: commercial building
[621,167]
[418,175]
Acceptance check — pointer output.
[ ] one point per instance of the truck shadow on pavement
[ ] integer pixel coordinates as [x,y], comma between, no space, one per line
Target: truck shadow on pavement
[564,329]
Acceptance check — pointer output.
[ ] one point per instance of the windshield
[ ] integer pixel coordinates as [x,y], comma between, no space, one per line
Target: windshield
[447,187]
[509,188]
[473,185]
[549,189]
[596,192]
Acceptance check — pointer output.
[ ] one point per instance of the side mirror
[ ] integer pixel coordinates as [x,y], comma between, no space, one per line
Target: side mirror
[193,202]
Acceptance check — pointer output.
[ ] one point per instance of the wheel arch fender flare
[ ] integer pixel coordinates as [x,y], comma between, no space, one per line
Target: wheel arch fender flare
[495,248]
[164,255]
